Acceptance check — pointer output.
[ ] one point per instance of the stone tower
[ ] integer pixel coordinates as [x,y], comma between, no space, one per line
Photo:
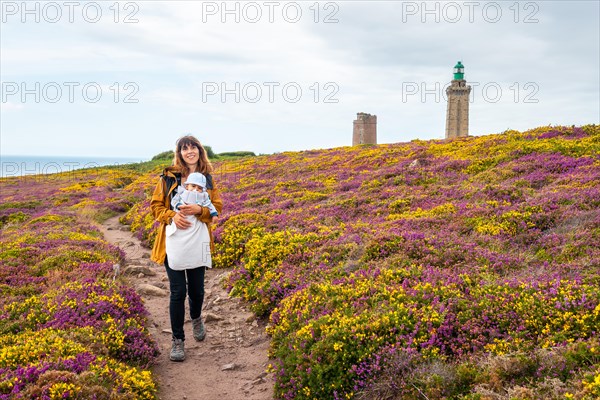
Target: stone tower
[457,114]
[365,129]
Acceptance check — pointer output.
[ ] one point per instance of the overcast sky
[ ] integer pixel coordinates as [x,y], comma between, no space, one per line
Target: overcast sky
[128,78]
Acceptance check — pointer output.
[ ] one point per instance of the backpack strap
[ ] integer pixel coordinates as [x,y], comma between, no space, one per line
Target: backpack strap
[209,181]
[169,181]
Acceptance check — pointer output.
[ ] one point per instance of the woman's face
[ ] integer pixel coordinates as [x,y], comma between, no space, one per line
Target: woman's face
[191,155]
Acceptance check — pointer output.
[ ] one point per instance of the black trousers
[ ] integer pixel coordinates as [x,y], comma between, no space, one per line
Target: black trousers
[191,282]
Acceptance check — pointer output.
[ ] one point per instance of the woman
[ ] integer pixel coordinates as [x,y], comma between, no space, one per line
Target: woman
[190,157]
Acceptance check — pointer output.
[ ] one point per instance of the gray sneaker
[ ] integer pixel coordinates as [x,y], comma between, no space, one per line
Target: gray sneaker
[177,352]
[198,329]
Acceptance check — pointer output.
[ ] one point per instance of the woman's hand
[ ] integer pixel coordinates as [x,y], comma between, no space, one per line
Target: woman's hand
[190,209]
[181,222]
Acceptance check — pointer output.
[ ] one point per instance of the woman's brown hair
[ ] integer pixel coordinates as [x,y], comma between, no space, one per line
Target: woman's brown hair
[204,166]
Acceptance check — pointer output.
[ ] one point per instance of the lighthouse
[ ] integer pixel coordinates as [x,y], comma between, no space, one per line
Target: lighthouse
[457,114]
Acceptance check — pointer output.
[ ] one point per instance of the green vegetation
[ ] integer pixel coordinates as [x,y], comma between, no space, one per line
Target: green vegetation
[168,155]
[235,154]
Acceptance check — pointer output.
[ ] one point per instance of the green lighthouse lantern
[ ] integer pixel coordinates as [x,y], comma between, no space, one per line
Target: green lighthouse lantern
[459,71]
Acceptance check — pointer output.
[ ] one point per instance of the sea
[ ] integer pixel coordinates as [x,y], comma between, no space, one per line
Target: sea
[17,166]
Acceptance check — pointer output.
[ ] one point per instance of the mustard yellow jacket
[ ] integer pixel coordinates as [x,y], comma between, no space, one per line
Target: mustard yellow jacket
[160,204]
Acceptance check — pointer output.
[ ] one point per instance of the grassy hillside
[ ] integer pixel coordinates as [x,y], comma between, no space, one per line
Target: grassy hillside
[464,269]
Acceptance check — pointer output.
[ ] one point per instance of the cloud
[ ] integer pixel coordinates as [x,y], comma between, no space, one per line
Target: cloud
[11,106]
[366,60]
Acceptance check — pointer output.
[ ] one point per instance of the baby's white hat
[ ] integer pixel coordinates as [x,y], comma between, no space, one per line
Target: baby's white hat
[196,178]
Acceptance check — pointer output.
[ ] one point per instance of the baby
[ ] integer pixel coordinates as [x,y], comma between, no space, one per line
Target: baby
[190,247]
[194,193]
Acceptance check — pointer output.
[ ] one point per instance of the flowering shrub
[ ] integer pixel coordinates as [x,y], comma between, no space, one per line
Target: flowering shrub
[138,215]
[237,233]
[463,268]
[68,329]
[446,250]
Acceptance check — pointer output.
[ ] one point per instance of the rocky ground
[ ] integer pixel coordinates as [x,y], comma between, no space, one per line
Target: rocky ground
[230,364]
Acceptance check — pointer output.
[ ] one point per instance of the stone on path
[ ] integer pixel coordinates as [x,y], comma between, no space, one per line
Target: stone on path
[229,367]
[210,317]
[151,290]
[138,269]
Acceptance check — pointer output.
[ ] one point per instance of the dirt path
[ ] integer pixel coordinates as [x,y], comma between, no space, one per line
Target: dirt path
[229,364]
